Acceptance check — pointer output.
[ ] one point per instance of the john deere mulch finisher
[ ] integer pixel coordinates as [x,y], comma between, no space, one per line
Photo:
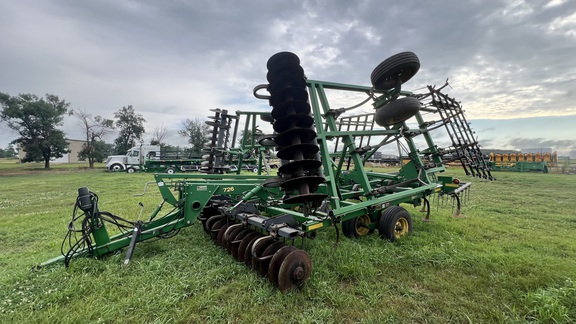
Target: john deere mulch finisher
[322,180]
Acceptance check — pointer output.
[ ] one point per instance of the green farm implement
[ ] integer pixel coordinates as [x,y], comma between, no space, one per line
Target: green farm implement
[321,181]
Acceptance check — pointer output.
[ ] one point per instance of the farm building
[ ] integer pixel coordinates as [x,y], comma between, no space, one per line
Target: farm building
[74,146]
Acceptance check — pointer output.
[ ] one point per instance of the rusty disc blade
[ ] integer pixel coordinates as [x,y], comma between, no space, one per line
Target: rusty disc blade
[267,256]
[235,243]
[277,259]
[258,248]
[294,270]
[230,230]
[215,228]
[210,221]
[229,238]
[221,232]
[245,247]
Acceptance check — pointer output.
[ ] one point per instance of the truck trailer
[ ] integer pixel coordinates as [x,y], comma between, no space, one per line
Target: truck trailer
[152,158]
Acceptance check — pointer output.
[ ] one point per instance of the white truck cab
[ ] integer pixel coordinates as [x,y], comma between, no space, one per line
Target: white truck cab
[133,159]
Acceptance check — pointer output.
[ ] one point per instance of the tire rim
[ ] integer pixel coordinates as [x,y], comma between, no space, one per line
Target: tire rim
[401,227]
[361,230]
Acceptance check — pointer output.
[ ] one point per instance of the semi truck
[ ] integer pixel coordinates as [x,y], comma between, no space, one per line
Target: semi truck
[152,158]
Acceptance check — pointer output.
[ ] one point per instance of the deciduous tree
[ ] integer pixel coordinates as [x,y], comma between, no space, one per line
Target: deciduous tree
[158,135]
[195,130]
[36,121]
[95,128]
[131,126]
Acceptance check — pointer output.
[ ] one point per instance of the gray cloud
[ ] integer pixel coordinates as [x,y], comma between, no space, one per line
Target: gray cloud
[176,60]
[541,143]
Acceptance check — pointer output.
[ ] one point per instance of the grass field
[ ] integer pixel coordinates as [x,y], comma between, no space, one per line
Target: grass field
[511,259]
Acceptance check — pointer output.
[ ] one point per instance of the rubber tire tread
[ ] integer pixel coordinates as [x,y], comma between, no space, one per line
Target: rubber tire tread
[387,222]
[397,111]
[393,65]
[349,228]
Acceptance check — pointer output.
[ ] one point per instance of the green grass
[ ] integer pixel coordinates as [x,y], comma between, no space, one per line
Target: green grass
[511,259]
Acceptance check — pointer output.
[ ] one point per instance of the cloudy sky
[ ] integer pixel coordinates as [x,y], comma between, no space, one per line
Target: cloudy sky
[511,63]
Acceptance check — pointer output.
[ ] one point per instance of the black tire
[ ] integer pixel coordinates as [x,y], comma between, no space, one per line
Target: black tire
[397,111]
[170,170]
[395,222]
[116,167]
[353,228]
[403,65]
[130,170]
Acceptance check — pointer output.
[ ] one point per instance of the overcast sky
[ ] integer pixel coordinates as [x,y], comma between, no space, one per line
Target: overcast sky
[172,60]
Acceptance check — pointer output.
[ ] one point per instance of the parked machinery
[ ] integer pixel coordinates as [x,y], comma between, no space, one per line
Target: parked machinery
[321,181]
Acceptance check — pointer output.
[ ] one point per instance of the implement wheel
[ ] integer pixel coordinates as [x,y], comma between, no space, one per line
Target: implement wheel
[294,270]
[357,227]
[400,67]
[397,111]
[394,223]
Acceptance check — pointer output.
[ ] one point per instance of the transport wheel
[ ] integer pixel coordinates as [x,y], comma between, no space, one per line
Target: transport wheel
[243,247]
[116,167]
[170,170]
[357,227]
[258,248]
[267,255]
[235,242]
[402,66]
[294,270]
[394,223]
[130,170]
[276,262]
[397,111]
[230,235]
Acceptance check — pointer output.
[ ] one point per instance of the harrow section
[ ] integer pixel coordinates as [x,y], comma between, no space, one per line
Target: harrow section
[322,180]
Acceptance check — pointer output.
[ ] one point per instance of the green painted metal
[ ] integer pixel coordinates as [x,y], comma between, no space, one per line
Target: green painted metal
[541,167]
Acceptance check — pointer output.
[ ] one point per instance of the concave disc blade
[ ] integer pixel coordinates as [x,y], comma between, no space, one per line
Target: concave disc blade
[276,262]
[269,252]
[235,243]
[215,228]
[230,236]
[294,270]
[245,248]
[258,248]
[221,232]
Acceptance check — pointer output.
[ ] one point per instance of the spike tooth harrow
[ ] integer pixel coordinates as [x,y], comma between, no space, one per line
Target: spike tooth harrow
[321,182]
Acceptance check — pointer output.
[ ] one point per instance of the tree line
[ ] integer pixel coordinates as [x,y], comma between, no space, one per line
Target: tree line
[37,121]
